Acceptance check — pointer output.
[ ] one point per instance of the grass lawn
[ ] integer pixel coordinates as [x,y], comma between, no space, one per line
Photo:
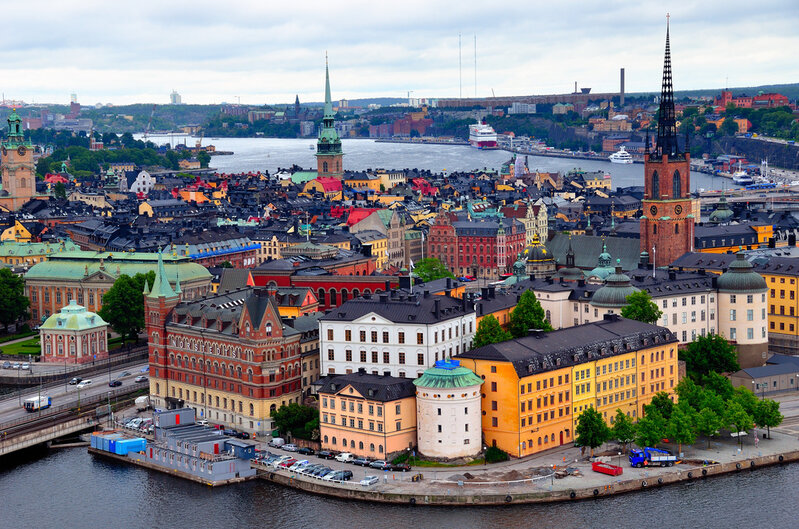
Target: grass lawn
[11,337]
[28,347]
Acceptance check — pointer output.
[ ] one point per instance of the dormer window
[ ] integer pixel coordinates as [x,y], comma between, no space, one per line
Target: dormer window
[269,329]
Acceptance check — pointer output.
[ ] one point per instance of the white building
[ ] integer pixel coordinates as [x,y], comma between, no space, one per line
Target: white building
[400,334]
[448,411]
[143,184]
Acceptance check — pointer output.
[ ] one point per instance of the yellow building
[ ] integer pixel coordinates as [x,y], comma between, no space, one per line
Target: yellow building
[14,253]
[363,181]
[377,243]
[17,232]
[367,415]
[390,179]
[537,386]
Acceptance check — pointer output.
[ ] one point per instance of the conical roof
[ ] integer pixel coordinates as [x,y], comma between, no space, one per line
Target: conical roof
[161,286]
[447,374]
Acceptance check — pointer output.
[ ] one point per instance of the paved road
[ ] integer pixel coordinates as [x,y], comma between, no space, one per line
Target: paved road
[10,408]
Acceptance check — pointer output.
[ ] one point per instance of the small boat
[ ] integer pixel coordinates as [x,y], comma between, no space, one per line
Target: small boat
[621,156]
[311,147]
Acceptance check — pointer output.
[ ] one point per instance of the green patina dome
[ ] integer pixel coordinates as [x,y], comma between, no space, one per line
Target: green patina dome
[604,267]
[448,374]
[722,213]
[613,294]
[73,317]
[741,277]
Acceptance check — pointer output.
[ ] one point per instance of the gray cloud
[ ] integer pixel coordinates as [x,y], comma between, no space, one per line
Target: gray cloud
[267,51]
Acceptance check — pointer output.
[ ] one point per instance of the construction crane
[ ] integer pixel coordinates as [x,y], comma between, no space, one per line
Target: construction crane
[149,124]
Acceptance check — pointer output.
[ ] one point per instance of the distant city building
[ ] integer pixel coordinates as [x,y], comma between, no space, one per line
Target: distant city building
[175,99]
[307,128]
[522,108]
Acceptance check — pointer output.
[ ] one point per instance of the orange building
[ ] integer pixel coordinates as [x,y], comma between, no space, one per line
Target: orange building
[536,387]
[367,415]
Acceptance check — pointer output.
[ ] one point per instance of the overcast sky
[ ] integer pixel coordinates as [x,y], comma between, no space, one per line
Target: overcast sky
[266,51]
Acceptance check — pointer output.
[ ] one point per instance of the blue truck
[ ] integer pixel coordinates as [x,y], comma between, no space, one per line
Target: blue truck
[649,457]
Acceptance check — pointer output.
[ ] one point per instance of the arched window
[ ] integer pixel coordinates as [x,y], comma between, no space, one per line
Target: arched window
[343,295]
[352,444]
[321,295]
[371,447]
[677,185]
[549,316]
[334,440]
[252,409]
[325,439]
[676,228]
[333,297]
[360,445]
[654,229]
[324,170]
[655,186]
[356,293]
[380,449]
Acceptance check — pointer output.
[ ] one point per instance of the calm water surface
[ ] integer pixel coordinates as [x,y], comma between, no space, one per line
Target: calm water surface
[252,154]
[70,488]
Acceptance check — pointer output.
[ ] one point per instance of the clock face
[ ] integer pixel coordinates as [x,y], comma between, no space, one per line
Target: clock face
[21,151]
[678,209]
[653,210]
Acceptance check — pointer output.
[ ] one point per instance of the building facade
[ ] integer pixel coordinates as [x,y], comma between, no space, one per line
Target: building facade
[74,336]
[536,387]
[367,415]
[17,167]
[227,356]
[397,333]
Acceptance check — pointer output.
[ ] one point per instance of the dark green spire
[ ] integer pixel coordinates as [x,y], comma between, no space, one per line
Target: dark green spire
[329,142]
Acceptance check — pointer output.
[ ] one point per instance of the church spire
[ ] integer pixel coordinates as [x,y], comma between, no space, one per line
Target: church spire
[161,286]
[328,100]
[667,120]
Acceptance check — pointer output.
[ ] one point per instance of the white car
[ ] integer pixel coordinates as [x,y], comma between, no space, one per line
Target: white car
[276,462]
[344,457]
[26,366]
[369,480]
[202,422]
[134,423]
[83,383]
[299,465]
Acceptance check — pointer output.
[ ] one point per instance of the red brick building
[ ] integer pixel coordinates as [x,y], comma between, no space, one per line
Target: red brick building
[227,356]
[480,248]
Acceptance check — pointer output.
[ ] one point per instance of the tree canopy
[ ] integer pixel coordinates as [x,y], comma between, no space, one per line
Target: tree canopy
[651,429]
[709,353]
[13,302]
[489,331]
[591,429]
[299,421]
[767,413]
[640,307]
[527,315]
[623,428]
[430,268]
[123,305]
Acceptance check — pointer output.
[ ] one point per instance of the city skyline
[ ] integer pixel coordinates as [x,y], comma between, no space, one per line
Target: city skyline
[141,53]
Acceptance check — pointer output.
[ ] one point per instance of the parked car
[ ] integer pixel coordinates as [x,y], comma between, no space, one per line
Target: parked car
[338,475]
[306,451]
[344,457]
[277,442]
[16,365]
[6,365]
[83,383]
[319,472]
[124,374]
[310,468]
[299,465]
[290,447]
[326,454]
[75,380]
[140,378]
[288,462]
[279,460]
[369,480]
[26,366]
[134,423]
[380,465]
[401,467]
[114,384]
[361,461]
[202,422]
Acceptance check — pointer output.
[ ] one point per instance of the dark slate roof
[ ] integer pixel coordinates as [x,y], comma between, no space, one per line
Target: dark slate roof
[575,345]
[372,387]
[588,247]
[706,261]
[402,308]
[769,370]
[233,279]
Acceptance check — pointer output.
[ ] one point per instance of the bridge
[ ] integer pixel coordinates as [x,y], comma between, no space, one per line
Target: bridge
[70,418]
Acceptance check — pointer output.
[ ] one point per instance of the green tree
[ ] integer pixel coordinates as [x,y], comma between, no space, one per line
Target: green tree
[591,429]
[204,158]
[225,264]
[709,353]
[728,127]
[651,429]
[681,427]
[300,421]
[689,392]
[746,399]
[767,413]
[737,418]
[527,315]
[640,307]
[13,302]
[718,385]
[430,268]
[489,331]
[123,305]
[623,429]
[60,191]
[662,403]
[708,423]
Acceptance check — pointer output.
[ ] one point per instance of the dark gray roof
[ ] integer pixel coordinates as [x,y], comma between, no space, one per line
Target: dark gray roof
[575,345]
[588,247]
[769,370]
[402,308]
[373,387]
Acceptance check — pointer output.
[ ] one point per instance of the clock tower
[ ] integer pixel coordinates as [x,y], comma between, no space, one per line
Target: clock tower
[17,167]
[667,223]
[328,146]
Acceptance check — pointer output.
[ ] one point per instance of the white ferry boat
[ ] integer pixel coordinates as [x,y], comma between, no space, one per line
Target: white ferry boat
[482,136]
[621,156]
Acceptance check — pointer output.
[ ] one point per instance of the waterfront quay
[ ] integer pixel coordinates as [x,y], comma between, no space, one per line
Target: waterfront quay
[555,476]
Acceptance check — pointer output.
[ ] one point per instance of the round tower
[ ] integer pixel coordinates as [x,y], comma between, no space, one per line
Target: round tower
[448,420]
